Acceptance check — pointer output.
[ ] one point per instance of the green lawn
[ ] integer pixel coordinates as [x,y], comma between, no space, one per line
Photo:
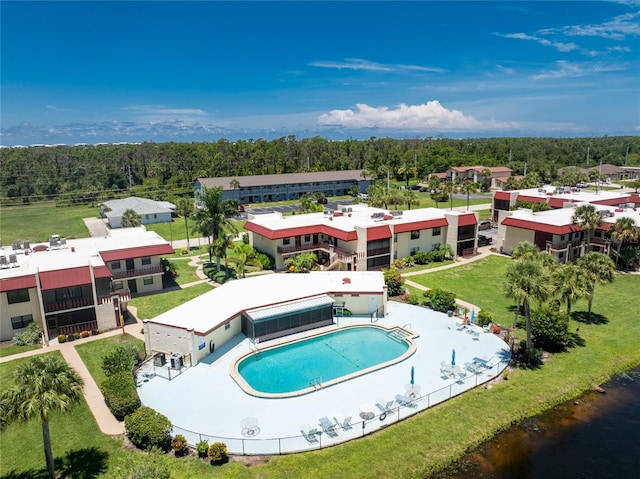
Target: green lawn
[154,304]
[425,267]
[9,349]
[175,230]
[39,221]
[185,272]
[93,352]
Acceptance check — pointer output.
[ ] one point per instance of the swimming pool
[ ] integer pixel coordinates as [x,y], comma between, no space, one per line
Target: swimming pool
[305,365]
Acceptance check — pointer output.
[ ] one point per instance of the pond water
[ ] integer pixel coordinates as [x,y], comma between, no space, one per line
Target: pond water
[597,436]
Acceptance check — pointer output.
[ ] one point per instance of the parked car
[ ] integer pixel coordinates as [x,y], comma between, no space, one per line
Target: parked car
[484,225]
[581,184]
[423,190]
[414,187]
[484,240]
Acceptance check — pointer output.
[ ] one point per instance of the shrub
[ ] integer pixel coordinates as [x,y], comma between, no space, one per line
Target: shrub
[397,264]
[121,360]
[421,257]
[184,251]
[484,317]
[120,394]
[218,453]
[29,337]
[70,337]
[266,260]
[202,447]
[94,332]
[85,334]
[62,338]
[180,445]
[141,466]
[550,328]
[147,428]
[76,335]
[413,299]
[440,300]
[394,282]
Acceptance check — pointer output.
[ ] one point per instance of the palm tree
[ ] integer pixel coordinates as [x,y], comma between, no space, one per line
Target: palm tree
[598,268]
[407,171]
[486,179]
[234,184]
[588,219]
[410,198]
[468,187]
[529,280]
[43,385]
[570,283]
[184,208]
[451,187]
[624,230]
[214,216]
[220,247]
[131,219]
[434,186]
[245,255]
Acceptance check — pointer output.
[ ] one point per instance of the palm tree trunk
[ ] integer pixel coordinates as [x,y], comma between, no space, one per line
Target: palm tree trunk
[527,315]
[48,454]
[589,311]
[568,306]
[186,227]
[515,316]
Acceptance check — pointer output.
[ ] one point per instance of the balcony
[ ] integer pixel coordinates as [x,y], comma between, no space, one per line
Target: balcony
[378,251]
[76,303]
[124,297]
[138,272]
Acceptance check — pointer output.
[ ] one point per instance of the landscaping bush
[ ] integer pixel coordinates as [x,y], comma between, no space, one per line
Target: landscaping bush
[202,447]
[550,328]
[62,338]
[440,300]
[120,394]
[70,337]
[121,360]
[266,260]
[142,466]
[218,453]
[85,334]
[29,337]
[394,282]
[76,335]
[413,299]
[180,445]
[421,257]
[484,317]
[147,428]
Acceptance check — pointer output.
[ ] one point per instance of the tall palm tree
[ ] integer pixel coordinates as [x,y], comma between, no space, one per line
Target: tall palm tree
[130,219]
[410,198]
[43,385]
[245,255]
[450,187]
[184,208]
[525,249]
[529,280]
[468,187]
[220,248]
[570,284]
[214,217]
[598,268]
[588,219]
[624,230]
[434,186]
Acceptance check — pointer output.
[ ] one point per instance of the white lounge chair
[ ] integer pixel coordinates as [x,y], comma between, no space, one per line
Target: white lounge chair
[385,408]
[309,433]
[445,370]
[328,427]
[404,400]
[343,422]
[487,328]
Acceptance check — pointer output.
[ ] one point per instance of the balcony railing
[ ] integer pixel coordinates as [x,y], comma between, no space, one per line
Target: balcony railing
[124,297]
[67,304]
[378,251]
[314,246]
[133,273]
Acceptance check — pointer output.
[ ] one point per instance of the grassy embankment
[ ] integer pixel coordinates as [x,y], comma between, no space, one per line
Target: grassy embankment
[427,442]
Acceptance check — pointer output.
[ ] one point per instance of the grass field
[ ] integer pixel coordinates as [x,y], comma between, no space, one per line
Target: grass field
[8,349]
[37,222]
[417,447]
[152,305]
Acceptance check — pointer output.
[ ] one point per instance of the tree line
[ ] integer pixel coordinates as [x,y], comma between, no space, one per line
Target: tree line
[90,174]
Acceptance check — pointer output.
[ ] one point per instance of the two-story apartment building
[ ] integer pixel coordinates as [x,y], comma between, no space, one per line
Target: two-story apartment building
[359,237]
[70,286]
[289,186]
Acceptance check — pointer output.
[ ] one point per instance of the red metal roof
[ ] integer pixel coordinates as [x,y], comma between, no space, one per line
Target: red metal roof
[545,228]
[502,195]
[300,231]
[64,278]
[18,282]
[467,220]
[419,225]
[531,199]
[558,201]
[138,252]
[101,272]
[378,232]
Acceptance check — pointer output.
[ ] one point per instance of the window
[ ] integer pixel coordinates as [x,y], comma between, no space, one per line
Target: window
[395,237]
[155,216]
[562,238]
[307,238]
[286,241]
[415,234]
[115,265]
[64,294]
[147,280]
[117,285]
[227,326]
[18,322]
[146,260]
[436,231]
[18,296]
[395,255]
[414,251]
[355,295]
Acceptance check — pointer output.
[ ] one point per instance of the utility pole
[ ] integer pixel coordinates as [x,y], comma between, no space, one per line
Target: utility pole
[525,169]
[626,158]
[588,156]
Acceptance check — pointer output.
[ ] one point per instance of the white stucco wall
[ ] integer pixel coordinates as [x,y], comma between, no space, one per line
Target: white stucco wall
[8,311]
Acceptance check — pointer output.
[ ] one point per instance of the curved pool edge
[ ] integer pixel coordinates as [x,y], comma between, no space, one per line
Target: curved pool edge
[240,381]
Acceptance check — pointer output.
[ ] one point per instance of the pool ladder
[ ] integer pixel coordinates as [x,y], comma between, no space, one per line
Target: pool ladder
[316,383]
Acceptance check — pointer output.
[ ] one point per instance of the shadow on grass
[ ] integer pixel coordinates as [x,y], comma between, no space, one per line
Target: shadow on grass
[79,464]
[220,277]
[576,340]
[583,317]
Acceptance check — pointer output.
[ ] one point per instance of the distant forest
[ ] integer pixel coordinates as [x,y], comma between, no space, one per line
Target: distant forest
[90,174]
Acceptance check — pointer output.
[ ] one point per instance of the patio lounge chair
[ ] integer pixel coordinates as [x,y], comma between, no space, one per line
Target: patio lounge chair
[487,327]
[328,427]
[459,373]
[310,434]
[404,400]
[445,370]
[385,408]
[343,422]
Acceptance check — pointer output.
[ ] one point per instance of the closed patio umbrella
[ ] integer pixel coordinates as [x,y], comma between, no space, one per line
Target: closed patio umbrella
[412,372]
[453,357]
[473,315]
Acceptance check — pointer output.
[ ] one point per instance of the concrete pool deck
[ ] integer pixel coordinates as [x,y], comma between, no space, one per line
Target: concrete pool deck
[204,402]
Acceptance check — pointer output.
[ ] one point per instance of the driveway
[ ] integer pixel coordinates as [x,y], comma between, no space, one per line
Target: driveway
[96,226]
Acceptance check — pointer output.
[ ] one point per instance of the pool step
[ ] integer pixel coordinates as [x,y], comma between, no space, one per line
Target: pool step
[316,383]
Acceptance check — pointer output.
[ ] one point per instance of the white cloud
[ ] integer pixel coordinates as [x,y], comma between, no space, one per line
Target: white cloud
[618,28]
[572,70]
[560,46]
[360,64]
[160,114]
[405,117]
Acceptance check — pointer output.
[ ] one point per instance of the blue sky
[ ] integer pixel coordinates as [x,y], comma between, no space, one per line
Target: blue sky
[91,72]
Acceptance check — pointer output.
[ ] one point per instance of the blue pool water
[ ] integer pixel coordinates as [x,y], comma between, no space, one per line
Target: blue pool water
[296,366]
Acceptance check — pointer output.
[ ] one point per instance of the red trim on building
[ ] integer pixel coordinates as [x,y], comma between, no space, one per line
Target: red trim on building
[64,278]
[467,220]
[301,231]
[558,202]
[502,195]
[614,201]
[378,233]
[139,252]
[530,225]
[18,282]
[531,199]
[101,272]
[420,225]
